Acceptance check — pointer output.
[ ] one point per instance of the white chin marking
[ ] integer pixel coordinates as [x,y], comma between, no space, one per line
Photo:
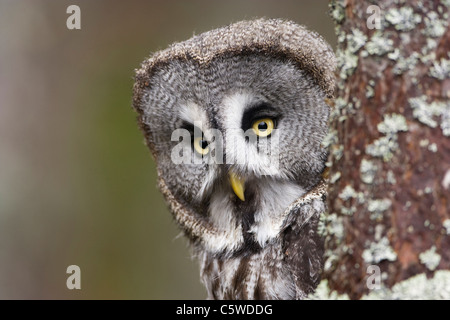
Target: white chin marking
[222,217]
[275,197]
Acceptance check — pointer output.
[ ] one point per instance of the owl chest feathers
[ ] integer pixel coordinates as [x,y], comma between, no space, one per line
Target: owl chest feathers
[276,253]
[261,275]
[256,221]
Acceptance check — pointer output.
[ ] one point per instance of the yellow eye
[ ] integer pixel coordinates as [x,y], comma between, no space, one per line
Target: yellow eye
[263,127]
[201,146]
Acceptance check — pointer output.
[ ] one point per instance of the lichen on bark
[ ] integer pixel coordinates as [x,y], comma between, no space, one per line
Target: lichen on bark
[390,149]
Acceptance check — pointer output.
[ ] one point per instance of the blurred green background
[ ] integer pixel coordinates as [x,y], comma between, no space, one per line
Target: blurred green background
[77,183]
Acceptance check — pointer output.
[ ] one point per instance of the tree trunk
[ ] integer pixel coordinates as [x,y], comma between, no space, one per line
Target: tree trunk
[389,195]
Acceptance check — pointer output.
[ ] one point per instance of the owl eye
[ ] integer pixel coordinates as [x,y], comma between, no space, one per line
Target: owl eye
[263,127]
[201,146]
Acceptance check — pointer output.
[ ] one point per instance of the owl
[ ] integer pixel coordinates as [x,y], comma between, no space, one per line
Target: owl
[234,119]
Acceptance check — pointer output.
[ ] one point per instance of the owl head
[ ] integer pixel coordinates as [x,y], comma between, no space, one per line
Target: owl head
[235,118]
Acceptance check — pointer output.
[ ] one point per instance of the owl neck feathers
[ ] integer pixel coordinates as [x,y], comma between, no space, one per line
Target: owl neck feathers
[204,234]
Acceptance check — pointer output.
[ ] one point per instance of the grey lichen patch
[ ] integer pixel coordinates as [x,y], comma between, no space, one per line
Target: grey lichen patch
[403,19]
[334,114]
[440,69]
[434,25]
[370,92]
[379,229]
[347,249]
[418,287]
[391,177]
[368,171]
[340,84]
[446,180]
[355,40]
[430,258]
[407,205]
[394,55]
[379,44]
[337,10]
[340,105]
[433,147]
[347,60]
[428,51]
[446,225]
[424,143]
[424,111]
[383,147]
[431,45]
[322,224]
[335,177]
[427,112]
[323,292]
[392,123]
[348,211]
[338,151]
[379,251]
[445,120]
[331,225]
[330,261]
[377,207]
[348,193]
[360,198]
[356,102]
[406,64]
[427,58]
[330,139]
[349,108]
[347,63]
[340,34]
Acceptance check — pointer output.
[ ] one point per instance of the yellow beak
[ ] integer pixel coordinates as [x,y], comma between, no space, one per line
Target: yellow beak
[238,185]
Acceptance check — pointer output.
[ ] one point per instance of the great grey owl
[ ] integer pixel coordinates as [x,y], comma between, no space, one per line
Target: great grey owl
[235,118]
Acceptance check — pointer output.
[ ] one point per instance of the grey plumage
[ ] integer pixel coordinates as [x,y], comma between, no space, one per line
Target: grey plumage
[265,247]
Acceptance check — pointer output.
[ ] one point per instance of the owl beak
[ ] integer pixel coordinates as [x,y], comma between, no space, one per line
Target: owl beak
[238,185]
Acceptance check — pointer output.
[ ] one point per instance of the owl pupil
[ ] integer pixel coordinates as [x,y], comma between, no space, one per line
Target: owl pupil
[262,126]
[203,144]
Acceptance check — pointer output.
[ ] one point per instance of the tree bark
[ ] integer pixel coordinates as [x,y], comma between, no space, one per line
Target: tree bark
[389,194]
